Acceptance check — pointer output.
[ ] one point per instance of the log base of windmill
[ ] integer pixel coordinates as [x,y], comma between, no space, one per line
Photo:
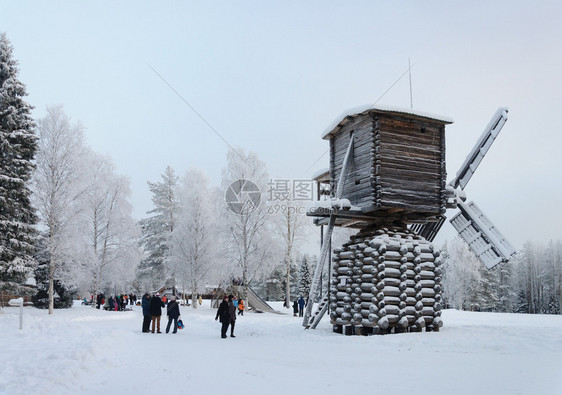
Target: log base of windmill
[385,280]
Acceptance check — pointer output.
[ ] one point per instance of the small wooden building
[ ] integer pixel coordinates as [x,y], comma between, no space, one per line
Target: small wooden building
[397,171]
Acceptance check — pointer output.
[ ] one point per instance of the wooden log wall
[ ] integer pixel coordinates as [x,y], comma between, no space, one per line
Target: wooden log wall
[398,163]
[386,280]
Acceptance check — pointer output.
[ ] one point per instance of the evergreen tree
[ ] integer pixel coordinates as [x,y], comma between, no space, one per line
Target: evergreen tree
[17,148]
[507,296]
[63,294]
[157,230]
[305,278]
[487,291]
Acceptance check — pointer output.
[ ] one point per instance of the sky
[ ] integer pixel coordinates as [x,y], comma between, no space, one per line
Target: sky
[271,76]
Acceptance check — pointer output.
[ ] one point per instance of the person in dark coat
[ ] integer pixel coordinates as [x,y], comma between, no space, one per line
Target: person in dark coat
[173,311]
[295,307]
[224,314]
[302,303]
[156,305]
[232,311]
[147,317]
[99,301]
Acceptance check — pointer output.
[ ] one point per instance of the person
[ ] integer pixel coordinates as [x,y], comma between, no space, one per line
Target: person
[156,305]
[111,303]
[241,307]
[173,311]
[224,314]
[200,300]
[146,316]
[99,300]
[165,299]
[295,307]
[302,303]
[235,303]
[232,310]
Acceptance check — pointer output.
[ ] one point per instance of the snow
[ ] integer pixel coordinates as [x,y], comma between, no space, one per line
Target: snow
[88,351]
[383,108]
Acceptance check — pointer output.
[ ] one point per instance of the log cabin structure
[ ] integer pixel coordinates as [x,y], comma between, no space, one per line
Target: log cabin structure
[387,177]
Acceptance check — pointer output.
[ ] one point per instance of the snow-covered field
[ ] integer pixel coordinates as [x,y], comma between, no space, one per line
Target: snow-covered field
[88,351]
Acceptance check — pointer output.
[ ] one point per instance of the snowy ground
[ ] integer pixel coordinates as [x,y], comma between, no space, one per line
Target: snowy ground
[88,351]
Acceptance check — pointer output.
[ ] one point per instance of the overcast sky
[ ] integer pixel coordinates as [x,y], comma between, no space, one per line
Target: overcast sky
[270,76]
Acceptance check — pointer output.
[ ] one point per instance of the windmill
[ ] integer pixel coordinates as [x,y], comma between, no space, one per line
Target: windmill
[387,177]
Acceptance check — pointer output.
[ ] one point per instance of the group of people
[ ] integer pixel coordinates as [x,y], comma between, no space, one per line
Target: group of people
[152,312]
[298,306]
[227,314]
[115,303]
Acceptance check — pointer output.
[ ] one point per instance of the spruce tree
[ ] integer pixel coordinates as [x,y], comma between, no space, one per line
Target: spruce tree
[157,229]
[305,279]
[17,149]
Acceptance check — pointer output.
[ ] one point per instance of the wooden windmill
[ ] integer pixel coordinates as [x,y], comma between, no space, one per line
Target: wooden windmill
[388,178]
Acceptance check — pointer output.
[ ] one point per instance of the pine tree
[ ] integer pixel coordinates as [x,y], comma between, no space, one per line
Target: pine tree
[305,279]
[157,230]
[17,148]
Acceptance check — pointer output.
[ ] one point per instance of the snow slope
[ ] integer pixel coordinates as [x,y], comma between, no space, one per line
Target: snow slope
[88,351]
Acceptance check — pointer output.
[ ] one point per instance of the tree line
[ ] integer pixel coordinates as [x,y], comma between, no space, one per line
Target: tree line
[529,283]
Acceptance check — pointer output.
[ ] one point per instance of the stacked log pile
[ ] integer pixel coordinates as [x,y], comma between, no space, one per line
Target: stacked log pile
[386,280]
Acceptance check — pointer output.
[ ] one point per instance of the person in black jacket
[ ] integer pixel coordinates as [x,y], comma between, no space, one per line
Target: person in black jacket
[232,312]
[173,312]
[224,314]
[156,305]
[146,313]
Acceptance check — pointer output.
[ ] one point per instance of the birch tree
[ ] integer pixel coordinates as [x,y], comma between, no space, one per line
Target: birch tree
[246,219]
[192,242]
[109,232]
[57,185]
[290,227]
[460,275]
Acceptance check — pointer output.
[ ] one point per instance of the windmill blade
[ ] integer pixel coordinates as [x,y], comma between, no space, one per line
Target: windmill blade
[430,229]
[482,146]
[483,238]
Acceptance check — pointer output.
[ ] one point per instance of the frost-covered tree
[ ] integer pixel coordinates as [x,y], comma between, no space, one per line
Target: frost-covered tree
[193,239]
[57,184]
[18,144]
[487,297]
[109,233]
[506,293]
[305,277]
[460,275]
[289,224]
[246,221]
[64,294]
[157,230]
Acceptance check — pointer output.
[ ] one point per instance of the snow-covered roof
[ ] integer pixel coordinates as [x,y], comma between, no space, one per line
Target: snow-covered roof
[322,173]
[380,108]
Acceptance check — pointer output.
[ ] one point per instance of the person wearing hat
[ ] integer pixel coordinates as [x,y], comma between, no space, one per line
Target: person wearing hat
[173,312]
[156,305]
[224,314]
[147,317]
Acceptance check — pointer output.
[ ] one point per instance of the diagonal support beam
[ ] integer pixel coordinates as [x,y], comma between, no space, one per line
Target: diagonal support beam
[327,237]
